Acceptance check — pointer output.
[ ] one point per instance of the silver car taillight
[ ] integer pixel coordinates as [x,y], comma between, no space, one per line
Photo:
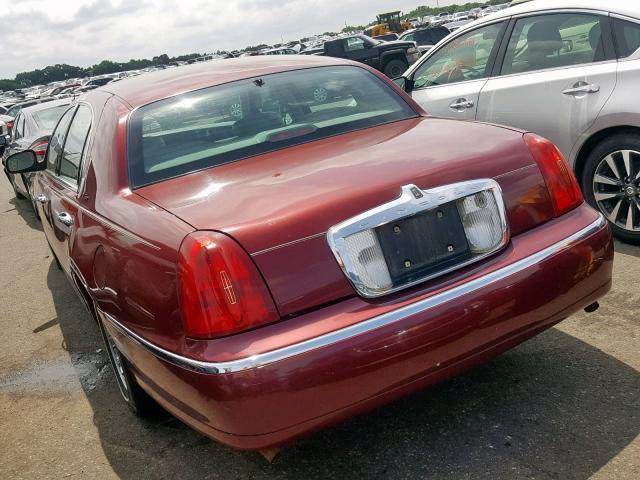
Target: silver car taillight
[480,230]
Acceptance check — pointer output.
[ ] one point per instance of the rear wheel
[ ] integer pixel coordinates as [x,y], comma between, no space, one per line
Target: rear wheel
[135,397]
[611,183]
[394,68]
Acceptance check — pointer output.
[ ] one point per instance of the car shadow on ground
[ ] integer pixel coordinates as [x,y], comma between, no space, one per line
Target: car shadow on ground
[25,210]
[627,249]
[555,407]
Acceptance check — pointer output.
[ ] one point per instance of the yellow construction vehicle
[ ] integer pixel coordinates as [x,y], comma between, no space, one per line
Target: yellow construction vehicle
[387,22]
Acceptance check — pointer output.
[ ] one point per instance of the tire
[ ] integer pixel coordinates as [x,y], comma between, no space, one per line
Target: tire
[138,401]
[394,68]
[611,183]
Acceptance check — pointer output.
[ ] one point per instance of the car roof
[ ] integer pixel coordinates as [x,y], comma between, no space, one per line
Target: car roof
[622,7]
[147,88]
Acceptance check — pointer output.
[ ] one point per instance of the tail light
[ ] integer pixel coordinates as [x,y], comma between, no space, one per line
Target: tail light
[561,182]
[221,291]
[9,125]
[40,149]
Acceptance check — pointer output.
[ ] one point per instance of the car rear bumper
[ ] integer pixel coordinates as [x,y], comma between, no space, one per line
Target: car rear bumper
[276,394]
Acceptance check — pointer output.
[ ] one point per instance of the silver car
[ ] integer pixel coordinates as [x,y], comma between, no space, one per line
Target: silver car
[568,72]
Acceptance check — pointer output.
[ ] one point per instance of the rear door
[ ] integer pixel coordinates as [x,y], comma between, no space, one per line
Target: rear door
[60,183]
[449,81]
[555,75]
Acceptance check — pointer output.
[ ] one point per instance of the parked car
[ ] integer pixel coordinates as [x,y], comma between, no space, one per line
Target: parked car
[425,38]
[280,51]
[31,131]
[4,137]
[392,58]
[15,109]
[387,37]
[261,278]
[568,74]
[456,25]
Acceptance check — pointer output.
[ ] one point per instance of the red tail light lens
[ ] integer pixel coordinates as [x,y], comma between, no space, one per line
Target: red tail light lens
[561,182]
[40,149]
[221,291]
[9,125]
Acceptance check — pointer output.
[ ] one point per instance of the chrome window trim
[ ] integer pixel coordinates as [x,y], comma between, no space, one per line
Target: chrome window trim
[383,320]
[552,69]
[405,206]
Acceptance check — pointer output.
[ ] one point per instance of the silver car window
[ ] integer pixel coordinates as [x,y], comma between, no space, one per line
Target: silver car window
[464,58]
[552,41]
[627,36]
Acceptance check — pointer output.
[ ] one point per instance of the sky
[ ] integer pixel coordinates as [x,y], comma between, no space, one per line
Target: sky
[37,33]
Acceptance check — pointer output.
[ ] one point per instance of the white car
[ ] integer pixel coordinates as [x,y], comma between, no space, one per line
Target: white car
[568,72]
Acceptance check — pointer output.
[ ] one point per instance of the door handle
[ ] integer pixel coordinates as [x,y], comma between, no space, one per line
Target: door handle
[582,88]
[65,219]
[461,104]
[41,198]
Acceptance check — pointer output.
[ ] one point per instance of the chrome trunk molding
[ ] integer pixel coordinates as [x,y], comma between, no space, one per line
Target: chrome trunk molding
[412,201]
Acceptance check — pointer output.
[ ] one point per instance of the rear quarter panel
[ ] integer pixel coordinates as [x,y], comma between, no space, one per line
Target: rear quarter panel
[125,247]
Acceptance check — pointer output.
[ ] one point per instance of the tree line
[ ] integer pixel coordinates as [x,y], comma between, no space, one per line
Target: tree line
[62,71]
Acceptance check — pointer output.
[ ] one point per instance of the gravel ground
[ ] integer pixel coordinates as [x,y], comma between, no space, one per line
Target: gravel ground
[564,405]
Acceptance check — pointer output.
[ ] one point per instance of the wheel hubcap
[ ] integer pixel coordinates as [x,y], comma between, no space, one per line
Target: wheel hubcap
[616,188]
[117,361]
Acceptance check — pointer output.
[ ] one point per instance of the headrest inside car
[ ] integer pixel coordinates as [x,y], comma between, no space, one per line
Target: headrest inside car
[544,37]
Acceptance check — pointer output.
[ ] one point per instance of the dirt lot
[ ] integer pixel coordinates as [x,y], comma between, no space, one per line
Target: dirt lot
[564,405]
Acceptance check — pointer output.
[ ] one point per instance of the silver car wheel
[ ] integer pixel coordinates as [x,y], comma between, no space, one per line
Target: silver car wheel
[616,188]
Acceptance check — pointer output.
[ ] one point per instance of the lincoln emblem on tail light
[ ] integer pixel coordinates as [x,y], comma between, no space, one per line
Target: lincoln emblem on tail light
[228,287]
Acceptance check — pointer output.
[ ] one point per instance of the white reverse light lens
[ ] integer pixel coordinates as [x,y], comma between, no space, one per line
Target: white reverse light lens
[365,252]
[481,221]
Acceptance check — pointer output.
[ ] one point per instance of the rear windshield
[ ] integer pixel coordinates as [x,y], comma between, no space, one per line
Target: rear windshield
[47,119]
[229,122]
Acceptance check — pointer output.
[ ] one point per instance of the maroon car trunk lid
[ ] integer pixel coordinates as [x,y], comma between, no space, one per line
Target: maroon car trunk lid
[279,206]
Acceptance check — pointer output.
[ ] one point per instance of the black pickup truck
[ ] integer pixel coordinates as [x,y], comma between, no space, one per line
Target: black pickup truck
[391,58]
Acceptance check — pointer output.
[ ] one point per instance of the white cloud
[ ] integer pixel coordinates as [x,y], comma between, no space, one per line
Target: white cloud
[37,33]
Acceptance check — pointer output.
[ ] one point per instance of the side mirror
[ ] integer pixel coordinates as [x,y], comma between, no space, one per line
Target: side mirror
[404,83]
[25,161]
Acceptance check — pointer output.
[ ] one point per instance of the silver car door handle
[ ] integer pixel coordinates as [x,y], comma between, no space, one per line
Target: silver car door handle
[65,219]
[461,104]
[582,88]
[41,198]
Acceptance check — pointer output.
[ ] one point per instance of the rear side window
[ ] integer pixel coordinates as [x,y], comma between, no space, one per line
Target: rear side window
[18,127]
[627,35]
[224,123]
[554,41]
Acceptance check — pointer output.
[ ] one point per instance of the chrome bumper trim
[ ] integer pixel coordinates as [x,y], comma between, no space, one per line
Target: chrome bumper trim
[259,360]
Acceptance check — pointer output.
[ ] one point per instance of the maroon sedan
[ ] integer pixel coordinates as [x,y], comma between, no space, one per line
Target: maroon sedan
[264,262]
